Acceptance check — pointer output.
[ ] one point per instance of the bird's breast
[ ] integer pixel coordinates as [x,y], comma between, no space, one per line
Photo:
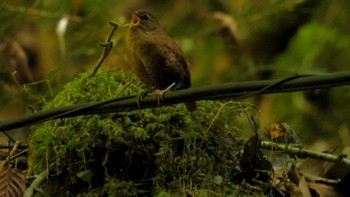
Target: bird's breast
[157,60]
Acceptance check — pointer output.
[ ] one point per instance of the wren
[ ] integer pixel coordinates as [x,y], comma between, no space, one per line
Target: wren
[154,57]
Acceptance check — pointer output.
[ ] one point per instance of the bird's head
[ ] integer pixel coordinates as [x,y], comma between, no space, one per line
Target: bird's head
[143,20]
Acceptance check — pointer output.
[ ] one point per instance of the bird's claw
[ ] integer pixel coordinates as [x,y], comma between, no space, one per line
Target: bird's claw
[139,98]
[160,96]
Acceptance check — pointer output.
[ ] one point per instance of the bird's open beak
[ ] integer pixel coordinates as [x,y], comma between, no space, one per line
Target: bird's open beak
[135,19]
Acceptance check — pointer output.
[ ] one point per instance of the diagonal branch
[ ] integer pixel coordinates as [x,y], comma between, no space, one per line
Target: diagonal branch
[301,152]
[237,90]
[107,48]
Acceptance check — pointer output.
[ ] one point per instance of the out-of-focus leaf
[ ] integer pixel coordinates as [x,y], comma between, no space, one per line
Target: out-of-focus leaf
[294,175]
[253,162]
[314,167]
[304,187]
[85,175]
[293,189]
[324,190]
[12,182]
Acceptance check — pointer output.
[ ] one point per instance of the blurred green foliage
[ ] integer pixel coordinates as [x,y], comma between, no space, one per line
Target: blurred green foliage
[271,39]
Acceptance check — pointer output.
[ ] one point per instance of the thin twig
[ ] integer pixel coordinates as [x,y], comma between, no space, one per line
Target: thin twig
[36,183]
[12,152]
[216,116]
[9,137]
[305,152]
[107,47]
[19,154]
[7,146]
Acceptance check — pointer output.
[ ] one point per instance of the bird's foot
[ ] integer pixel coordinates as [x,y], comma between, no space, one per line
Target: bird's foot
[139,98]
[159,95]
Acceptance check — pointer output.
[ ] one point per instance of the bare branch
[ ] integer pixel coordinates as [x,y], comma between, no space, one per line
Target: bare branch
[36,183]
[305,152]
[107,48]
[237,90]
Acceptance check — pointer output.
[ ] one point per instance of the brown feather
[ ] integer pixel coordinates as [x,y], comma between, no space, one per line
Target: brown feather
[153,56]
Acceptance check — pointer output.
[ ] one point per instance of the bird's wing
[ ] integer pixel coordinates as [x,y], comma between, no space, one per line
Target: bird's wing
[164,64]
[176,56]
[179,64]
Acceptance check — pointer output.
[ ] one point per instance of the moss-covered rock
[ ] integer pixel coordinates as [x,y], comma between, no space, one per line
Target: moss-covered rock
[151,151]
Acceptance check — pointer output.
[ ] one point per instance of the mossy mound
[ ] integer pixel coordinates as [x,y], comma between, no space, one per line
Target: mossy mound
[159,151]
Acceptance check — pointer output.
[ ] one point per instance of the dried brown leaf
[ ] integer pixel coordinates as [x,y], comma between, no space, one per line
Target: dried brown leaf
[324,190]
[314,167]
[294,174]
[304,187]
[12,182]
[293,190]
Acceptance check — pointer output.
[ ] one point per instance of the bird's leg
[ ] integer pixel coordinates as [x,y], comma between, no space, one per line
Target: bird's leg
[159,95]
[139,98]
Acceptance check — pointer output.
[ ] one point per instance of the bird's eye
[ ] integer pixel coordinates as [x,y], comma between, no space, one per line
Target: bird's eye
[145,17]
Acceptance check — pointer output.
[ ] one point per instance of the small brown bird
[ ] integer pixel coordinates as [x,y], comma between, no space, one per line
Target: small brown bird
[154,57]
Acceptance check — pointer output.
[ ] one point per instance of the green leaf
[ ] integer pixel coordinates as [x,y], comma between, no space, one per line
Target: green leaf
[85,175]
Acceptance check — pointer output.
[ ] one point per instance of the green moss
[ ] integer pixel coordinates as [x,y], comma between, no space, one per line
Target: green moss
[149,151]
